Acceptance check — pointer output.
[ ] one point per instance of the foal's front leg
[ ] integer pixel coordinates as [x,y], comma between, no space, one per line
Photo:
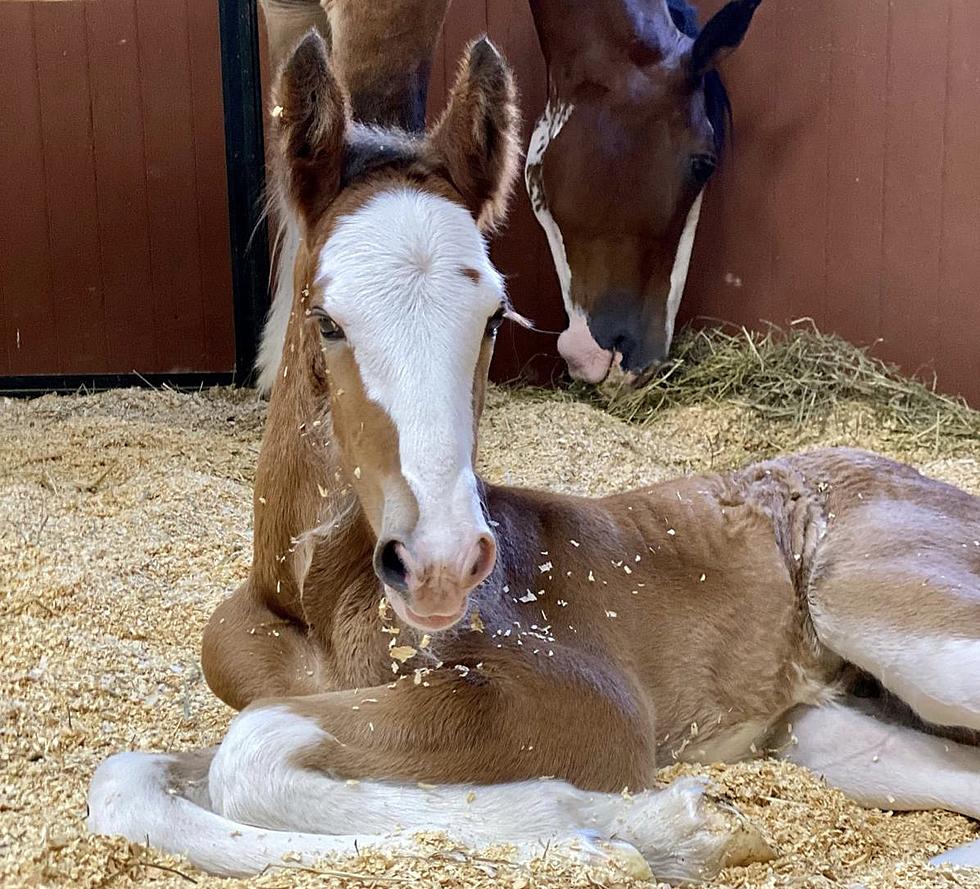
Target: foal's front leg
[464,750]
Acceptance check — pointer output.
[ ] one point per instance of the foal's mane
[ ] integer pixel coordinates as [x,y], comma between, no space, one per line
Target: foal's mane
[717,103]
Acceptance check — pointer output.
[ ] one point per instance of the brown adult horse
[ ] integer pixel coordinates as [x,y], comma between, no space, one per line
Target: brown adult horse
[633,128]
[405,622]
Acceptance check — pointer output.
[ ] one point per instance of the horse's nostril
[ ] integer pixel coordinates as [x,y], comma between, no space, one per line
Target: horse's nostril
[390,567]
[486,555]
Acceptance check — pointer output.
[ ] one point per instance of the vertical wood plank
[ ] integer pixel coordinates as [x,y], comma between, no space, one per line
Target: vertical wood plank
[912,207]
[800,173]
[117,133]
[28,340]
[165,88]
[69,169]
[212,193]
[855,183]
[958,362]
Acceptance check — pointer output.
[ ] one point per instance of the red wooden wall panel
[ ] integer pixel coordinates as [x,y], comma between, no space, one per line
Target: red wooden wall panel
[114,250]
[26,296]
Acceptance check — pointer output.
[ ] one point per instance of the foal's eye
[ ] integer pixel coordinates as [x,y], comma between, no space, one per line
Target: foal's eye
[330,329]
[702,167]
[494,322]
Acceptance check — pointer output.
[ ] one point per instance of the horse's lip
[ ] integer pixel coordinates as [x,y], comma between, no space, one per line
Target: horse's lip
[434,622]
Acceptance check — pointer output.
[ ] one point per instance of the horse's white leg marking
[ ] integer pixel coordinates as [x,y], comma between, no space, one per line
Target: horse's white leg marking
[253,779]
[682,263]
[880,764]
[961,856]
[277,321]
[938,676]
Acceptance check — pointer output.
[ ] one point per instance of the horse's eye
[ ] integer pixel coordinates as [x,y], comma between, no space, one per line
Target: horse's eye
[330,329]
[494,322]
[702,167]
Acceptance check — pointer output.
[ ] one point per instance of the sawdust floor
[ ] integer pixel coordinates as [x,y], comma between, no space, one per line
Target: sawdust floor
[124,519]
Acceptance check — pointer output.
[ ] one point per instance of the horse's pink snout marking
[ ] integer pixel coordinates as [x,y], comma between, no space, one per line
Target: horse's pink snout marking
[586,359]
[432,592]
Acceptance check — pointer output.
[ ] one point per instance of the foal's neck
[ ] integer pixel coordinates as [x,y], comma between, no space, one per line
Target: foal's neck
[304,507]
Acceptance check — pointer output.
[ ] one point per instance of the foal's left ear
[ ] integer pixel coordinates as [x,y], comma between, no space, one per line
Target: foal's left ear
[475,140]
[722,34]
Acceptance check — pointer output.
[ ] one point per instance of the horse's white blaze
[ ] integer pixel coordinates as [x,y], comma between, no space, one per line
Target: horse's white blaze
[682,263]
[548,127]
[415,324]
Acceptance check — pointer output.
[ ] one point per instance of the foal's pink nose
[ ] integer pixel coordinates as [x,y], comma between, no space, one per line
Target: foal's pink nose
[432,592]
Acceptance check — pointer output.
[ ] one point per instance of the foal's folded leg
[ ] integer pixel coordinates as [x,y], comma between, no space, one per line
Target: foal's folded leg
[380,759]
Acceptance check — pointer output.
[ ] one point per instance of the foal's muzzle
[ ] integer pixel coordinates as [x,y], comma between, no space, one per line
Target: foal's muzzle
[432,592]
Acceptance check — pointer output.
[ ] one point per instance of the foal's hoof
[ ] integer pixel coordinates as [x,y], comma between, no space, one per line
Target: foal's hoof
[688,836]
[620,857]
[745,843]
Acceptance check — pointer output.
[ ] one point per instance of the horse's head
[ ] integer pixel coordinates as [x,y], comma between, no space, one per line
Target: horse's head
[636,125]
[398,305]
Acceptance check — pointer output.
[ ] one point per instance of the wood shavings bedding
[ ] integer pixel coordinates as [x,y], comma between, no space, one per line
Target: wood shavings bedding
[126,516]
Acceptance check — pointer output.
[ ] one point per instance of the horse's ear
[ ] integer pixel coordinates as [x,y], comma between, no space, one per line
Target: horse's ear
[722,34]
[476,139]
[310,119]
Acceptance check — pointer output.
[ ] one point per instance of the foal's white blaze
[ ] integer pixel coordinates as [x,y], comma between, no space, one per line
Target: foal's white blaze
[682,264]
[415,323]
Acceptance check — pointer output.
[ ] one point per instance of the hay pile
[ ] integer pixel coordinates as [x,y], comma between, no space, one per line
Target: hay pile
[124,519]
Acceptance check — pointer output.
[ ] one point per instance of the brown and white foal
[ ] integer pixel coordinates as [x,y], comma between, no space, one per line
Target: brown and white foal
[415,649]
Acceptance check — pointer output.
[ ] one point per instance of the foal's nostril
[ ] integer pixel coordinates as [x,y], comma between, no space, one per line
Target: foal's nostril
[486,556]
[390,567]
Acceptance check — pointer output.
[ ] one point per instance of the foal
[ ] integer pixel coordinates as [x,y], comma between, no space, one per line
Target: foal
[415,648]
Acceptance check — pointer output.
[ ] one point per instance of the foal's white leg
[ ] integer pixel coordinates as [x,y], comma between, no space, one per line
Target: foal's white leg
[683,834]
[886,766]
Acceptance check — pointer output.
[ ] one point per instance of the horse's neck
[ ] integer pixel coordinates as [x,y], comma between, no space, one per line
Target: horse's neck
[304,507]
[599,42]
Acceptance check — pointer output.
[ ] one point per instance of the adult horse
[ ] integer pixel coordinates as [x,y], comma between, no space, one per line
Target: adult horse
[405,622]
[633,129]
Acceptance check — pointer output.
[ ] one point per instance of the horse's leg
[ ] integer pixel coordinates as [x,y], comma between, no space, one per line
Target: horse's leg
[249,652]
[286,21]
[162,800]
[896,591]
[885,765]
[322,763]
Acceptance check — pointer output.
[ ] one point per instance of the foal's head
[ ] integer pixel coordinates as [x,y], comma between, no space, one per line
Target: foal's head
[395,286]
[640,114]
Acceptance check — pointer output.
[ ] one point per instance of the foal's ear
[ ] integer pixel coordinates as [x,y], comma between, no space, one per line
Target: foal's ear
[475,140]
[311,121]
[722,34]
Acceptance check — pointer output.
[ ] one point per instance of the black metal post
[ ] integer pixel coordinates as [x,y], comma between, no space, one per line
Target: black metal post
[245,157]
